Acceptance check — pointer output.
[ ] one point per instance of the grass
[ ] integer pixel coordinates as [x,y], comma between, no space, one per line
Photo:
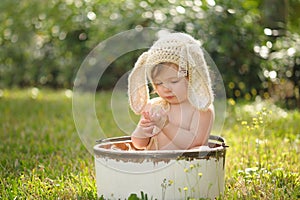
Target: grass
[263,158]
[42,156]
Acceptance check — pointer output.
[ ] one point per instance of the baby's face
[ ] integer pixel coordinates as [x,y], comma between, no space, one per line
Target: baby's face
[169,86]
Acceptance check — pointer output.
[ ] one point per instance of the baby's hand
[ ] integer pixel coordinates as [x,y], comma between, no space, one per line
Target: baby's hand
[146,126]
[146,115]
[158,116]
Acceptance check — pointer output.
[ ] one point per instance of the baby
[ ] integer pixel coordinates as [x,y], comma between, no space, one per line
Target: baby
[182,115]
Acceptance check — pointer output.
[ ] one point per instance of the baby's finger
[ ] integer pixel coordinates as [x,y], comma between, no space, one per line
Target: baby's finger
[146,115]
[146,123]
[143,121]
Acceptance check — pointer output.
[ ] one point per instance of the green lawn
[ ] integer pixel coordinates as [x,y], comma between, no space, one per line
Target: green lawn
[42,156]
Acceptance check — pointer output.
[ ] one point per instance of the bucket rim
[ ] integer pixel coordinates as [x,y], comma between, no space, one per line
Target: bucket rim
[100,151]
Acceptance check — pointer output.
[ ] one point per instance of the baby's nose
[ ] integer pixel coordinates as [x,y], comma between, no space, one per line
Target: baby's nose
[166,87]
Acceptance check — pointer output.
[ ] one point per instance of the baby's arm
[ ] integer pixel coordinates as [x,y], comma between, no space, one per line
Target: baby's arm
[143,132]
[198,133]
[140,143]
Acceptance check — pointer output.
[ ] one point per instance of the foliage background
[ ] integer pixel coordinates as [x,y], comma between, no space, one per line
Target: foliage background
[253,42]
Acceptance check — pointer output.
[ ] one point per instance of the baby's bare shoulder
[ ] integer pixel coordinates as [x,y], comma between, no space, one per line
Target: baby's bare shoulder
[209,112]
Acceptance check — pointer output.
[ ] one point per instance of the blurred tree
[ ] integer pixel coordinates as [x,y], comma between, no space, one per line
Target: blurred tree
[44,43]
[281,63]
[254,43]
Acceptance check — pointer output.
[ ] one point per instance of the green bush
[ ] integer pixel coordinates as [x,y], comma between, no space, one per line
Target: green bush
[44,43]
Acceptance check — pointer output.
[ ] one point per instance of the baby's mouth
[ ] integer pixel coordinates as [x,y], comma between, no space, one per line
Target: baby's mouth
[169,97]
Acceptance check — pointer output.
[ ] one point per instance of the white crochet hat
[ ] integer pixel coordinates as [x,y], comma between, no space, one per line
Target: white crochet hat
[180,49]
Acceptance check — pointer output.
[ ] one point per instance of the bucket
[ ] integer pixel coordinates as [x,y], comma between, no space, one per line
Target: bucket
[122,170]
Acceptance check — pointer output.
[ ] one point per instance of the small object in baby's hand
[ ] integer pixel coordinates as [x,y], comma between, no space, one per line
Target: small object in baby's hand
[158,116]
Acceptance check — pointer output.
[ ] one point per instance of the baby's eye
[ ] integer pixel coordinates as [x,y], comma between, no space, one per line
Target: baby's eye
[174,81]
[158,83]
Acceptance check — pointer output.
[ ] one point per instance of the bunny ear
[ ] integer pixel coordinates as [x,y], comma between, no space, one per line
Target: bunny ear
[200,93]
[138,91]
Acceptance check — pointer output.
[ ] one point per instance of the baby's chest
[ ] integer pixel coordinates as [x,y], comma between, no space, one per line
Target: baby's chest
[182,119]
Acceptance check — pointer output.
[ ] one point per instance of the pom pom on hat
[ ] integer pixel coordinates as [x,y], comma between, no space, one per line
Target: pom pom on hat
[180,49]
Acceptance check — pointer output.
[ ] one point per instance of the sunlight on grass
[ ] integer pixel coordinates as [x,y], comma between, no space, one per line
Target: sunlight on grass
[42,156]
[263,158]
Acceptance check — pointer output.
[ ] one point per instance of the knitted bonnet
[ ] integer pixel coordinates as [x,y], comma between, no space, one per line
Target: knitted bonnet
[180,49]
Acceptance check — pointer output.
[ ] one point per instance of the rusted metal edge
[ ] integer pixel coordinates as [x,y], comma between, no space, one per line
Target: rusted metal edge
[124,138]
[217,152]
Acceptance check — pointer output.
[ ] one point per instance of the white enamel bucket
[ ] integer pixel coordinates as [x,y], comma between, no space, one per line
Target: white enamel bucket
[177,174]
